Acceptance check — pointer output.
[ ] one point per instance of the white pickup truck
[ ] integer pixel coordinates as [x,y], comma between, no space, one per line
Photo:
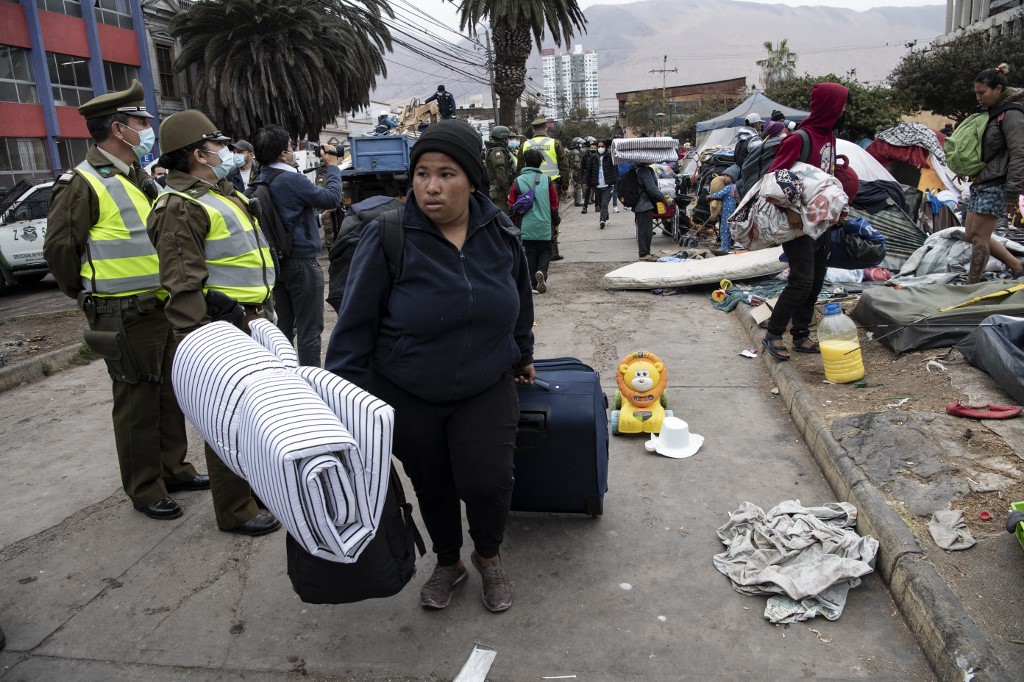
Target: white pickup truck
[22,228]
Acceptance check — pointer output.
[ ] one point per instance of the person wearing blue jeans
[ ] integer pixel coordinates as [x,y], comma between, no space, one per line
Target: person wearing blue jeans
[729,201]
[299,293]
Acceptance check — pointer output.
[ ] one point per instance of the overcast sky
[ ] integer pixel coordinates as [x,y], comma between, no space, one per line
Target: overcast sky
[445,10]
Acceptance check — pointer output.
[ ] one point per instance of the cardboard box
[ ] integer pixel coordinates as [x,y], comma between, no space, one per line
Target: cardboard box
[762,312]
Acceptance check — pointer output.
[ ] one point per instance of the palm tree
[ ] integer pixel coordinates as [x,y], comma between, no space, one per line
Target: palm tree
[296,63]
[512,24]
[779,66]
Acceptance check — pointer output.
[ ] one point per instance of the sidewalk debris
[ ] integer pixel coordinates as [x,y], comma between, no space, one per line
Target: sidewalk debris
[808,558]
[749,353]
[901,403]
[477,665]
[949,530]
[934,363]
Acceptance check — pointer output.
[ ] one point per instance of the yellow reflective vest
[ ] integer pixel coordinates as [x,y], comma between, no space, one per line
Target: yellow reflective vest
[546,146]
[238,260]
[119,260]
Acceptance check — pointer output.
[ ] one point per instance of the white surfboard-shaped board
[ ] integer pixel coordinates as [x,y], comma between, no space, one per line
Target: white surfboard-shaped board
[735,267]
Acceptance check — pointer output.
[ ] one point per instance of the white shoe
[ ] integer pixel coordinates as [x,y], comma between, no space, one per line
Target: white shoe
[616,209]
[535,291]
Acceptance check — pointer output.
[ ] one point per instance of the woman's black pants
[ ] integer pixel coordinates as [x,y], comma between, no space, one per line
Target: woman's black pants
[808,260]
[462,450]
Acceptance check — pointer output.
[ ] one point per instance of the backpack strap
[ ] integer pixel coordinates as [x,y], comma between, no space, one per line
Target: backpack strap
[805,145]
[392,236]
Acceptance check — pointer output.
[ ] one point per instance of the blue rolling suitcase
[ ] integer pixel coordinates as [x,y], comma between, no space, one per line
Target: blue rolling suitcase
[562,444]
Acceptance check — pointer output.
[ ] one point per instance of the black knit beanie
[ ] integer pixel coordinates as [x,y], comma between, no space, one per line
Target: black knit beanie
[458,140]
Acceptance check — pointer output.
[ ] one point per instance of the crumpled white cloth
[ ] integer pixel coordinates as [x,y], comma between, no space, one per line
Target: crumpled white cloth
[314,447]
[809,556]
[949,530]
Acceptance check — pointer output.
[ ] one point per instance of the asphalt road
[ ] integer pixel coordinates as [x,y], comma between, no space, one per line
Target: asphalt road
[26,299]
[91,590]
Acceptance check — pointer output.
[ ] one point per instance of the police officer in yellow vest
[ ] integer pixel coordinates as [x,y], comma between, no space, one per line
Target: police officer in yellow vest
[215,263]
[555,165]
[98,251]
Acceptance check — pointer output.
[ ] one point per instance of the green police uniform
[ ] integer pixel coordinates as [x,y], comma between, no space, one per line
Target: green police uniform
[207,239]
[97,249]
[501,171]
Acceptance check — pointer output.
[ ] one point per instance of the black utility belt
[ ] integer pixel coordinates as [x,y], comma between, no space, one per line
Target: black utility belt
[252,308]
[100,305]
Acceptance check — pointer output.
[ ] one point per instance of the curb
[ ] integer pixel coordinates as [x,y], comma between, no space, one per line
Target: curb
[949,638]
[32,370]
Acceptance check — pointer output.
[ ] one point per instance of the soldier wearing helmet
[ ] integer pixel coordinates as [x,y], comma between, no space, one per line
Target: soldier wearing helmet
[575,158]
[500,165]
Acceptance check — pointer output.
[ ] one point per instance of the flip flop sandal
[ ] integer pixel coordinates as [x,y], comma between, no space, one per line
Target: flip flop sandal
[990,411]
[775,348]
[805,345]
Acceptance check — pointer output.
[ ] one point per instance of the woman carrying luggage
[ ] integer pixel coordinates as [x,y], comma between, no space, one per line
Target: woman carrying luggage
[445,343]
[996,189]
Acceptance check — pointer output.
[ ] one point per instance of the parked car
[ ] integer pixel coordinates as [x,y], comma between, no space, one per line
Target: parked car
[23,212]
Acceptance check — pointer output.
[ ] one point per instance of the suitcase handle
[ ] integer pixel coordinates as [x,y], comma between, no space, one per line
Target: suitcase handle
[543,384]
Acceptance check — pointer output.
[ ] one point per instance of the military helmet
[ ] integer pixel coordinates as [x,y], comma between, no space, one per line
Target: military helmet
[500,133]
[576,142]
[591,140]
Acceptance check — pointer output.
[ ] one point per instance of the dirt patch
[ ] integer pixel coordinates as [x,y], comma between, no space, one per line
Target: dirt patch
[28,336]
[908,383]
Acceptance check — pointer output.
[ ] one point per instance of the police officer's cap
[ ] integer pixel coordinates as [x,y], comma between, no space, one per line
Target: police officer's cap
[187,127]
[500,133]
[131,101]
[540,121]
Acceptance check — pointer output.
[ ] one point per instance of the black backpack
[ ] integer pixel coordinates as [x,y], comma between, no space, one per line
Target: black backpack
[384,567]
[349,234]
[278,234]
[628,188]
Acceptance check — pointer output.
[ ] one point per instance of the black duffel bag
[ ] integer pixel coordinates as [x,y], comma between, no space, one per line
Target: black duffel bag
[385,566]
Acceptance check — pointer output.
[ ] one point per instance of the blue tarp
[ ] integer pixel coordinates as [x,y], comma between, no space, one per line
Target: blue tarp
[758,102]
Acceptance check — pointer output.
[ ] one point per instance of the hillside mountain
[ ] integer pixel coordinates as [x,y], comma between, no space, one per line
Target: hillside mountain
[707,40]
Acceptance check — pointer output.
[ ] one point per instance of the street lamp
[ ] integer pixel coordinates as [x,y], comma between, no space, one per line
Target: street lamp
[661,119]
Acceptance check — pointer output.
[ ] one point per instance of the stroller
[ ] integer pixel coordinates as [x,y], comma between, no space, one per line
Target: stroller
[673,221]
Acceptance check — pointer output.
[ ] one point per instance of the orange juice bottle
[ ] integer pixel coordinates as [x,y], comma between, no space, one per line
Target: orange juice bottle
[840,346]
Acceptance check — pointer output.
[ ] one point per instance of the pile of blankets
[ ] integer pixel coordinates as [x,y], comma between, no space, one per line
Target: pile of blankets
[760,219]
[807,558]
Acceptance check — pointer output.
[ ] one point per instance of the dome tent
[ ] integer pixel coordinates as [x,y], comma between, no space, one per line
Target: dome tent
[757,103]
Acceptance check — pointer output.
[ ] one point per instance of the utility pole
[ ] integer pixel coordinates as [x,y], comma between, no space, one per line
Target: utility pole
[490,73]
[664,98]
[663,71]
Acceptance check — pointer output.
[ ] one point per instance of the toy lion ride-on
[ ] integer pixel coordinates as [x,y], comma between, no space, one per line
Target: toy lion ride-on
[640,401]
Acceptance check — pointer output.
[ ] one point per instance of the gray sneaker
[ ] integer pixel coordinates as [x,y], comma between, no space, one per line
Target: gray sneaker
[436,593]
[497,587]
[542,282]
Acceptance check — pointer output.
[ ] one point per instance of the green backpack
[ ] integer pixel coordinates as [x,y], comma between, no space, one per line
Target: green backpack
[963,147]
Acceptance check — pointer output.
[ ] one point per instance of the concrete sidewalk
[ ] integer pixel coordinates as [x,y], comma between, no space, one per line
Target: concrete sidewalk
[92,590]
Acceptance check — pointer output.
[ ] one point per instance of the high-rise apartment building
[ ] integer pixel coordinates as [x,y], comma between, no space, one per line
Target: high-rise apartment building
[570,81]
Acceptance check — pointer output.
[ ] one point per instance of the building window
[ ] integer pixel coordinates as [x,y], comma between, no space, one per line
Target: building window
[119,76]
[22,158]
[69,76]
[165,67]
[16,81]
[72,151]
[72,8]
[114,13]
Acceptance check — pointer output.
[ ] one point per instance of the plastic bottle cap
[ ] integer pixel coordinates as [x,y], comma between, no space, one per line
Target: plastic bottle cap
[833,309]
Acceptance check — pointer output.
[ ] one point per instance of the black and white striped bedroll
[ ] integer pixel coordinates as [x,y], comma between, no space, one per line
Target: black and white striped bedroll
[314,447]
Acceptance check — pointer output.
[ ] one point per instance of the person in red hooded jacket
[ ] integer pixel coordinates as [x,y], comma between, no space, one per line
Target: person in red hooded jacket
[808,257]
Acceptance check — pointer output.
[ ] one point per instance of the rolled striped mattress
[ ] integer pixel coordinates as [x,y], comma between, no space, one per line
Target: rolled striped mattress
[645,149]
[314,447]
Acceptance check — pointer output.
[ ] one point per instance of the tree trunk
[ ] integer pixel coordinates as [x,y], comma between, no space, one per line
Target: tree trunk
[512,47]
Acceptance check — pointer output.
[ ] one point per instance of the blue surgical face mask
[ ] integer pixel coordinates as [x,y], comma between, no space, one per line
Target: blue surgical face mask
[239,160]
[227,162]
[513,144]
[146,139]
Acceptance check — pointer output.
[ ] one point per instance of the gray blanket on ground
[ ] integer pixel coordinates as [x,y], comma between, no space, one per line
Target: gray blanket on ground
[950,531]
[809,557]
